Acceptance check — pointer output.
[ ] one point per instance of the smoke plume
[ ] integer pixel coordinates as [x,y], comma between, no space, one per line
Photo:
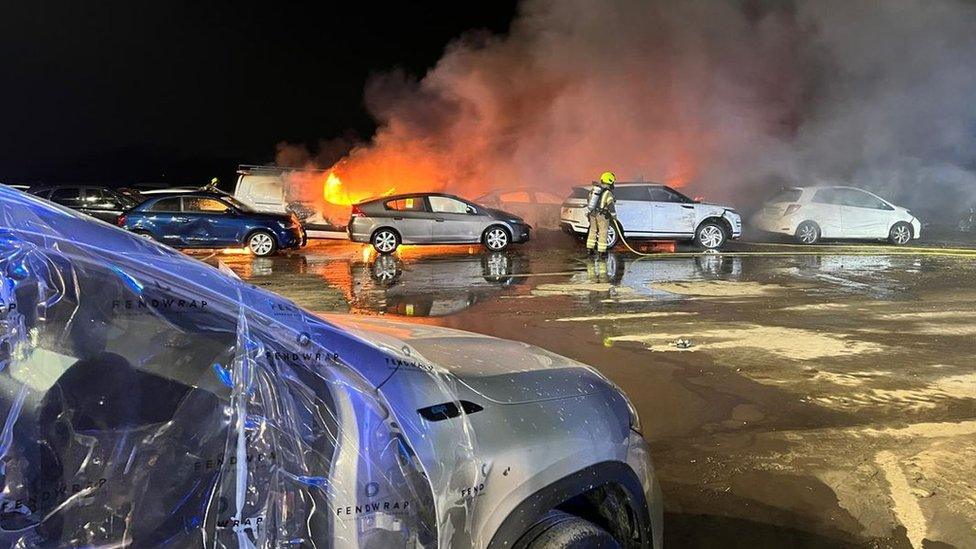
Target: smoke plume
[721,97]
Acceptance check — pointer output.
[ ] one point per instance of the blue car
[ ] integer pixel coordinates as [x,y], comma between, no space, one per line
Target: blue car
[213,220]
[148,399]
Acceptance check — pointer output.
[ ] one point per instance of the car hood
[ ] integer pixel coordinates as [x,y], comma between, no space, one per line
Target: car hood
[499,370]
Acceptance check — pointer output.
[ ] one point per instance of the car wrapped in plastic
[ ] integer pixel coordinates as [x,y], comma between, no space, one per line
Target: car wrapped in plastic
[151,400]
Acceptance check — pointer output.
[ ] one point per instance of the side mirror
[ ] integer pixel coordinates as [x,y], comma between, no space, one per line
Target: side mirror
[472,210]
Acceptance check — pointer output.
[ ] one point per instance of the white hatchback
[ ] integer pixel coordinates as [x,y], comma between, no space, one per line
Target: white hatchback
[811,213]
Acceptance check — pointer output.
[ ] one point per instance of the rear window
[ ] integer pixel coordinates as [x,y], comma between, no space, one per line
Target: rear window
[410,204]
[580,192]
[789,195]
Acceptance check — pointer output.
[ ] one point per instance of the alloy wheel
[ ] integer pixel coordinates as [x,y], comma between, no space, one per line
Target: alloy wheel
[807,234]
[261,244]
[711,236]
[385,241]
[901,234]
[496,238]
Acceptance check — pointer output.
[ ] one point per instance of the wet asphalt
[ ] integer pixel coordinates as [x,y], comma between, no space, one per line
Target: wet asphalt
[792,396]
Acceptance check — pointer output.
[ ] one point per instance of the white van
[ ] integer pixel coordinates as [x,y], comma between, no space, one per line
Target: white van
[264,189]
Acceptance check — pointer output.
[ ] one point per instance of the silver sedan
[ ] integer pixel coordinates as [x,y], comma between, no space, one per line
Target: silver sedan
[433,218]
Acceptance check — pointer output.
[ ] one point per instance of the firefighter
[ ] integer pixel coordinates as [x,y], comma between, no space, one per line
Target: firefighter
[601,213]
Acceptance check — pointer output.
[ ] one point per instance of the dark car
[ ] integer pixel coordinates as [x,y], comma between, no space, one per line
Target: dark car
[212,220]
[99,202]
[433,218]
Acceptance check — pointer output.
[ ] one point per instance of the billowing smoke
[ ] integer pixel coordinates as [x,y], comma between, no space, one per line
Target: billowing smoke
[723,98]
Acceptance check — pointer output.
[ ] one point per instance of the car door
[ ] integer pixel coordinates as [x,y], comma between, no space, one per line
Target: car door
[164,219]
[210,222]
[634,209]
[410,217]
[825,210]
[102,204]
[864,215]
[672,213]
[455,220]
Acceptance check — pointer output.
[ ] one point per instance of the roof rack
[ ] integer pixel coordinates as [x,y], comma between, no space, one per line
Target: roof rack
[272,170]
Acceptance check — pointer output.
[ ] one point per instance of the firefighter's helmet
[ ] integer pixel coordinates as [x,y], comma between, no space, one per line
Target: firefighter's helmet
[607,178]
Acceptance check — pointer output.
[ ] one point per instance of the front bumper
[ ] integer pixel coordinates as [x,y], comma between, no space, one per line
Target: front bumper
[520,233]
[292,238]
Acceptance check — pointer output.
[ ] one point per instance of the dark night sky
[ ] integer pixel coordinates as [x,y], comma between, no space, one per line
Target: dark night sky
[119,91]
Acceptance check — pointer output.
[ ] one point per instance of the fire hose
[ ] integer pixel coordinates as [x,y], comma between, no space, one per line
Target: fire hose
[620,233]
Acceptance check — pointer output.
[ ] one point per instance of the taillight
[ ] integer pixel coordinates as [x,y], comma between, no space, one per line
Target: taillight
[120,221]
[792,208]
[357,212]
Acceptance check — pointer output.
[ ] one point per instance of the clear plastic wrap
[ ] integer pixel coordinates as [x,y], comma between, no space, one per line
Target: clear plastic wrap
[149,400]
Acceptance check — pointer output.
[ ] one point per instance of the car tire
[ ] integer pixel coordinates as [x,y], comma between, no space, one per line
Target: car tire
[496,238]
[900,234]
[613,237]
[807,233]
[262,243]
[559,530]
[711,235]
[385,240]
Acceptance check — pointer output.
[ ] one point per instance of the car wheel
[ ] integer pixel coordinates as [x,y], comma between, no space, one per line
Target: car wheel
[612,236]
[900,234]
[385,270]
[564,531]
[386,241]
[807,233]
[496,238]
[710,235]
[145,234]
[262,243]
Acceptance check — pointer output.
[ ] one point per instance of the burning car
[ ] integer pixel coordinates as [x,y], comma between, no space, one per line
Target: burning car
[539,208]
[433,218]
[150,399]
[652,210]
[811,213]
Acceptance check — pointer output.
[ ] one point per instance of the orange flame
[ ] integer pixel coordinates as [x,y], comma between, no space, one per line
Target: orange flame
[336,193]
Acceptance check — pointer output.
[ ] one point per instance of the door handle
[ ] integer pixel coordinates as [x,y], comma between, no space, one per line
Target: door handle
[687,207]
[180,219]
[439,220]
[397,219]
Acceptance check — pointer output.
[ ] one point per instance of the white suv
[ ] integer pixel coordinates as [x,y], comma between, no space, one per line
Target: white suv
[652,210]
[812,213]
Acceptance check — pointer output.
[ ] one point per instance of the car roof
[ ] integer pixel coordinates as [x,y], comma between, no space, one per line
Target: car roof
[627,184]
[408,195]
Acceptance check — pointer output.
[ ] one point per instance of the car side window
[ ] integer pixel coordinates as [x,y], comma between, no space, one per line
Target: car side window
[520,197]
[826,196]
[69,196]
[204,205]
[443,204]
[409,204]
[662,194]
[631,193]
[861,199]
[166,205]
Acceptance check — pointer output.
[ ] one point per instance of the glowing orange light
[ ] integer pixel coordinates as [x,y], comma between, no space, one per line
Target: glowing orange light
[236,251]
[334,192]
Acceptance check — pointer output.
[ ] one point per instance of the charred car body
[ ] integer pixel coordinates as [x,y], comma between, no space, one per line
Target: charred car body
[151,399]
